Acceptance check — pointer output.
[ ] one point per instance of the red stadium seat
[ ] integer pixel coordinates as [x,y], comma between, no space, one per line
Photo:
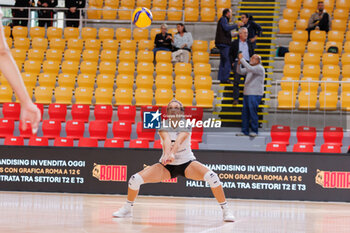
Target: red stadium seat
[80,112]
[194,113]
[194,145]
[276,147]
[58,112]
[333,135]
[127,113]
[64,142]
[88,142]
[197,134]
[148,108]
[98,129]
[122,130]
[26,133]
[163,111]
[157,144]
[41,108]
[280,134]
[301,147]
[144,134]
[51,128]
[75,129]
[111,142]
[330,148]
[11,111]
[136,143]
[14,141]
[7,127]
[37,141]
[306,135]
[103,112]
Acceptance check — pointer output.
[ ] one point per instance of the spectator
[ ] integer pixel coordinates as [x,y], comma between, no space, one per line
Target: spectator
[242,44]
[320,20]
[73,12]
[46,14]
[163,40]
[254,29]
[223,41]
[182,43]
[21,13]
[253,92]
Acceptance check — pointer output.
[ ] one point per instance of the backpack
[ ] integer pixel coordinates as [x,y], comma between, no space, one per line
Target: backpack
[333,49]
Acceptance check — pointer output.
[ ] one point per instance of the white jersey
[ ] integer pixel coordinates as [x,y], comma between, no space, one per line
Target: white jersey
[184,153]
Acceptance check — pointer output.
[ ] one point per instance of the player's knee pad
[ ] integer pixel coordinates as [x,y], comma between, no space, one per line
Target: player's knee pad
[135,181]
[212,179]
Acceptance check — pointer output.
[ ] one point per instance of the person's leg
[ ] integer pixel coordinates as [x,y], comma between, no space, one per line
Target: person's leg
[253,111]
[227,63]
[221,64]
[245,115]
[186,56]
[236,82]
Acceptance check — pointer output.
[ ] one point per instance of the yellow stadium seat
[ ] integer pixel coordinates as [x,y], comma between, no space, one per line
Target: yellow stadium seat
[331,71]
[94,13]
[312,58]
[140,34]
[19,31]
[43,95]
[204,98]
[290,14]
[301,24]
[309,85]
[76,44]
[317,35]
[158,14]
[107,67]
[291,70]
[21,43]
[112,3]
[109,13]
[342,14]
[54,55]
[103,95]
[9,42]
[88,67]
[345,59]
[72,55]
[127,55]
[329,5]
[90,55]
[174,14]
[347,46]
[345,101]
[315,47]
[191,14]
[296,47]
[126,68]
[110,45]
[290,84]
[96,3]
[145,68]
[163,56]
[311,4]
[307,100]
[7,31]
[162,4]
[32,66]
[285,26]
[92,44]
[328,101]
[164,69]
[5,94]
[36,54]
[39,43]
[212,45]
[143,3]
[200,57]
[66,80]
[125,13]
[63,95]
[183,69]
[330,84]
[345,85]
[71,33]
[105,80]
[185,96]
[57,43]
[202,69]
[223,3]
[202,82]
[342,4]
[47,80]
[208,14]
[145,56]
[29,79]
[19,54]
[3,80]
[109,55]
[164,81]
[339,25]
[191,3]
[70,67]
[300,36]
[292,58]
[286,99]
[52,67]
[146,45]
[88,33]
[123,96]
[54,32]
[143,96]
[123,34]
[106,33]
[336,44]
[125,81]
[83,95]
[311,70]
[200,45]
[35,32]
[144,81]
[306,13]
[176,3]
[163,96]
[128,45]
[183,82]
[172,31]
[294,4]
[330,59]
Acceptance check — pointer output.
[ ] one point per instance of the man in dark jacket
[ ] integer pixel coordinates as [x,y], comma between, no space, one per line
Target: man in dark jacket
[46,14]
[162,40]
[73,12]
[244,46]
[21,13]
[223,41]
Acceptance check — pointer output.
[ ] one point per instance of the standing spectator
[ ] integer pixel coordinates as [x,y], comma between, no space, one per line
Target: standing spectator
[182,43]
[46,14]
[163,40]
[253,92]
[320,20]
[242,44]
[21,13]
[254,29]
[223,41]
[73,12]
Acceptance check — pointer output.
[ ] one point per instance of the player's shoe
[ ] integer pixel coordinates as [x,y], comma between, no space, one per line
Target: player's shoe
[228,216]
[123,213]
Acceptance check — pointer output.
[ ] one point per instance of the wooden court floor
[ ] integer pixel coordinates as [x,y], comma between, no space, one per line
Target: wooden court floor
[56,212]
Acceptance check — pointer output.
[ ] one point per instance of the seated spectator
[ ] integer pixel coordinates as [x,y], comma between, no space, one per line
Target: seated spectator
[73,12]
[21,13]
[163,40]
[254,29]
[320,20]
[182,43]
[46,14]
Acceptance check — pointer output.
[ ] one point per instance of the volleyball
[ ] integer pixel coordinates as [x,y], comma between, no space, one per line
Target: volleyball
[142,17]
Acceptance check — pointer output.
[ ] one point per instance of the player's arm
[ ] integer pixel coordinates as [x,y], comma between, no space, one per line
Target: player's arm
[167,156]
[180,139]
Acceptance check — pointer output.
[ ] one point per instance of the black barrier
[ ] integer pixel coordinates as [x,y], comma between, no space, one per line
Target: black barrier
[253,175]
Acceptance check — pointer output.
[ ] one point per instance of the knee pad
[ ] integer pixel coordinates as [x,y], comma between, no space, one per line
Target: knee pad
[135,181]
[212,179]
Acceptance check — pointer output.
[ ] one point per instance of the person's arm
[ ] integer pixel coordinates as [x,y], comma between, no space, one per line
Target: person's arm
[241,70]
[168,39]
[180,139]
[258,29]
[225,25]
[312,21]
[248,67]
[167,157]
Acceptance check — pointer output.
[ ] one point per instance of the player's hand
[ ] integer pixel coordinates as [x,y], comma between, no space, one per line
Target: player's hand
[240,56]
[168,159]
[31,113]
[240,23]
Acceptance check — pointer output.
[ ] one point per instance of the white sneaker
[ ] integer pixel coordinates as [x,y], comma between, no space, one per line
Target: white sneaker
[123,213]
[228,216]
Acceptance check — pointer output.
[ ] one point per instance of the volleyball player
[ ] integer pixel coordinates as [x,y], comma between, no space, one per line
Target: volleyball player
[177,160]
[8,67]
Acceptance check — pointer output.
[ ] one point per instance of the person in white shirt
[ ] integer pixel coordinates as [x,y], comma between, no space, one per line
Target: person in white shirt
[177,160]
[182,44]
